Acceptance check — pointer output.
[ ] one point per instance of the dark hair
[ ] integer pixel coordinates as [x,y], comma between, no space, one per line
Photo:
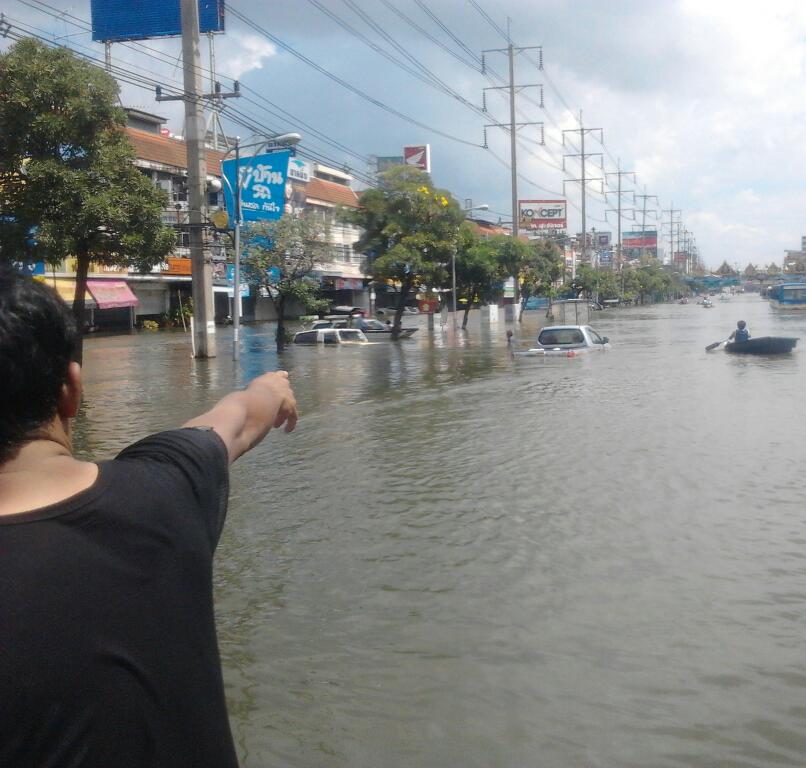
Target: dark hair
[37,342]
[741,323]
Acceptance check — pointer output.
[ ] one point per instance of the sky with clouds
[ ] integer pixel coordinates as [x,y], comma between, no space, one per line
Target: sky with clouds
[700,98]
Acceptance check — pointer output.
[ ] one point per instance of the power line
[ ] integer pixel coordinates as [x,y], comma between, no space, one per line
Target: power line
[343,83]
[391,6]
[486,16]
[423,7]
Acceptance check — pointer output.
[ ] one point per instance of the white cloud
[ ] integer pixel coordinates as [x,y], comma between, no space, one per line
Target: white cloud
[239,53]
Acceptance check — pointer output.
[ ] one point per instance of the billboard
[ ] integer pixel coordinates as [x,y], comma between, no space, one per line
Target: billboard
[542,214]
[113,20]
[299,170]
[636,244]
[383,164]
[263,179]
[602,240]
[418,157]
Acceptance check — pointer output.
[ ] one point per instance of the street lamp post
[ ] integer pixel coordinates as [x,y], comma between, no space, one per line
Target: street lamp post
[280,141]
[236,271]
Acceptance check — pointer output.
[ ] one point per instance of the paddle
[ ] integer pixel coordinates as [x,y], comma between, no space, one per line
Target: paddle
[715,345]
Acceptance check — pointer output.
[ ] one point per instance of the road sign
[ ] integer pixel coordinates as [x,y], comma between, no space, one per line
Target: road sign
[263,179]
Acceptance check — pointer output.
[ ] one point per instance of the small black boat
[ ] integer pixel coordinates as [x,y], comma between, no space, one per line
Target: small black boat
[763,345]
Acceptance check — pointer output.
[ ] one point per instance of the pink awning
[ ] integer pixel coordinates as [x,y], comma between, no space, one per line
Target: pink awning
[111,294]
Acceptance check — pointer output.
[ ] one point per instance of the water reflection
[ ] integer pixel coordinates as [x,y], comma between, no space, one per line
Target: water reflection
[461,559]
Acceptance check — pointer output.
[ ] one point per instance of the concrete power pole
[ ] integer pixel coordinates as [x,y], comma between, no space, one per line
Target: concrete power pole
[618,211]
[673,222]
[644,199]
[201,267]
[513,151]
[200,263]
[583,180]
[511,51]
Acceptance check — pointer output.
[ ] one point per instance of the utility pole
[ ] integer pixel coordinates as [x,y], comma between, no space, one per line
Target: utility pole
[583,180]
[201,267]
[644,198]
[511,51]
[108,57]
[674,221]
[236,272]
[200,263]
[619,192]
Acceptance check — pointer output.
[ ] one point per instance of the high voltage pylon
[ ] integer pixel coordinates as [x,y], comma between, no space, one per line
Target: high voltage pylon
[619,192]
[583,180]
[674,224]
[644,209]
[511,51]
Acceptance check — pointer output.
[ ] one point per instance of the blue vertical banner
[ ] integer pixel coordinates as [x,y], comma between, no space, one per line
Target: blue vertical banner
[263,179]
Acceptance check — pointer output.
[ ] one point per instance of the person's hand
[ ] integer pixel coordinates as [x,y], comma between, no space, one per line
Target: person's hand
[279,388]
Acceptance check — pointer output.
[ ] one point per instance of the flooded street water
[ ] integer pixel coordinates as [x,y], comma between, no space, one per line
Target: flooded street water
[461,559]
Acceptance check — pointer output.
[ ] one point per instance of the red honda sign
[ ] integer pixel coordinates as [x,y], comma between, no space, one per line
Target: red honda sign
[418,156]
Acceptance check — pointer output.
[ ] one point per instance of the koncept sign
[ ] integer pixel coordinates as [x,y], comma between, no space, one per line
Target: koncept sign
[418,157]
[542,214]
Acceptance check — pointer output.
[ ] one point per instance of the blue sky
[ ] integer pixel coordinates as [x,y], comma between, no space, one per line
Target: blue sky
[701,99]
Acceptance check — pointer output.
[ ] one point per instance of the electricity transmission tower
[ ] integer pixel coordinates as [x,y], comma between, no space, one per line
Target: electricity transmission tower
[512,126]
[619,192]
[583,180]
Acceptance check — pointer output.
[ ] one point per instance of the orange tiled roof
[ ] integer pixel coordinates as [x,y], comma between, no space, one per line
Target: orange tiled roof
[488,228]
[331,192]
[161,149]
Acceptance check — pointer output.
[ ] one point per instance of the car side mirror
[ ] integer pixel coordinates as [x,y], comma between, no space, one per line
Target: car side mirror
[605,340]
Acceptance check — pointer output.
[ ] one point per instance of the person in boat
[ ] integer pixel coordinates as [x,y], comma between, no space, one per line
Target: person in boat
[740,333]
[108,650]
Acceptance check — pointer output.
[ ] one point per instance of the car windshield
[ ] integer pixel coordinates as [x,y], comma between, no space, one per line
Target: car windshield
[560,336]
[350,335]
[374,325]
[309,337]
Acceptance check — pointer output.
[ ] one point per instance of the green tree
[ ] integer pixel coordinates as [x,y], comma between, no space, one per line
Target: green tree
[477,269]
[514,256]
[282,257]
[650,282]
[750,270]
[596,283]
[773,269]
[410,232]
[66,169]
[543,268]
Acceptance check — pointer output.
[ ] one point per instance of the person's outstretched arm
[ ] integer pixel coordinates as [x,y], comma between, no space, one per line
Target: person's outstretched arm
[242,419]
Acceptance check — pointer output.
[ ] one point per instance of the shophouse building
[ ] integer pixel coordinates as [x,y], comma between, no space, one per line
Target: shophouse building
[117,297]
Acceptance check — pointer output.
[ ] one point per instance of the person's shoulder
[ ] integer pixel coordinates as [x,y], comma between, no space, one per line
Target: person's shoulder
[187,444]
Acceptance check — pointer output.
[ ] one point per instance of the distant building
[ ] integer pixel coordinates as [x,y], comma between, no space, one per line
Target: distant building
[344,277]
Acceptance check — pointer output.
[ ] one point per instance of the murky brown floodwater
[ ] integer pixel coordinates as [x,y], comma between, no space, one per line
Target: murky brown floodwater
[460,559]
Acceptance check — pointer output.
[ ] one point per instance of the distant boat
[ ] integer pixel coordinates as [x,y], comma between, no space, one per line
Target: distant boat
[787,296]
[762,345]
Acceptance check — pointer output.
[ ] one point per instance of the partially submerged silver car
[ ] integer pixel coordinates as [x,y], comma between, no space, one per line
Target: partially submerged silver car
[330,336]
[568,340]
